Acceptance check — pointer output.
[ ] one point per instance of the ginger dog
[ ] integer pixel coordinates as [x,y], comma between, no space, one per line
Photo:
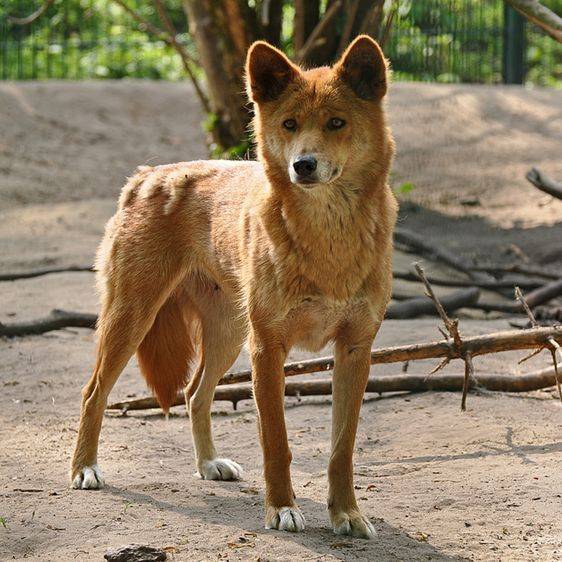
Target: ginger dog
[292,250]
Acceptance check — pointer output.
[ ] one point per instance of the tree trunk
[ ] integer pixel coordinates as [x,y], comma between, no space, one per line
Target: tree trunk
[223,32]
[307,15]
[324,49]
[272,21]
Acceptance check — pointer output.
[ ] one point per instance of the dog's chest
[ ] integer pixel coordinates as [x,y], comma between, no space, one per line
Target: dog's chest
[313,322]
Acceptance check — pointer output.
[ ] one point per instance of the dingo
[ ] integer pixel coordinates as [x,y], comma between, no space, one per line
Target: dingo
[292,250]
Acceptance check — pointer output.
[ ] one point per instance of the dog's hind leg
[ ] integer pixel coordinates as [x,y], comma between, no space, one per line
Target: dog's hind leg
[223,334]
[127,314]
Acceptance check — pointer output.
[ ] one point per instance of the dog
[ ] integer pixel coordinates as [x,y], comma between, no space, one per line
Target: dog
[293,249]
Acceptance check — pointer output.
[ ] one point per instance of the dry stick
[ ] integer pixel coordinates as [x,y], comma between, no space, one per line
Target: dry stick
[43,271]
[494,285]
[419,306]
[542,182]
[412,240]
[452,327]
[544,378]
[534,271]
[477,345]
[533,299]
[56,320]
[468,376]
[552,345]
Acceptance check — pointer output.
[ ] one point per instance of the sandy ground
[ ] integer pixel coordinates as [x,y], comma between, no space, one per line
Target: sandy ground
[437,484]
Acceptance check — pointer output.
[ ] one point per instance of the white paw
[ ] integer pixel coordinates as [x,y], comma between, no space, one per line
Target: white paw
[285,519]
[220,469]
[354,525]
[88,478]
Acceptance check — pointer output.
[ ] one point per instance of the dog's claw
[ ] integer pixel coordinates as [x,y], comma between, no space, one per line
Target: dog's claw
[88,478]
[285,519]
[220,469]
[354,525]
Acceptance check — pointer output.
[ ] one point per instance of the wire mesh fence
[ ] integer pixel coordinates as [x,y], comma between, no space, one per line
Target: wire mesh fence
[431,40]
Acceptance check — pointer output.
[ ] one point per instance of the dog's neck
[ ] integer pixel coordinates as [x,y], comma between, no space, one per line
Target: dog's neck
[325,234]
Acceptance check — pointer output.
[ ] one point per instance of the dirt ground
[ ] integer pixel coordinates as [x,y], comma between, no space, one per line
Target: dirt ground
[437,484]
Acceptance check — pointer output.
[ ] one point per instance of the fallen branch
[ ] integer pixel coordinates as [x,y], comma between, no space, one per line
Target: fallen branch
[510,340]
[535,271]
[43,271]
[542,182]
[413,241]
[535,298]
[56,320]
[493,285]
[390,383]
[419,306]
[551,345]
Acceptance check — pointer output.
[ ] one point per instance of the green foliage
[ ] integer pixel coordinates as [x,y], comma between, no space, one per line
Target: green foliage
[79,39]
[4,522]
[433,40]
[237,152]
[405,188]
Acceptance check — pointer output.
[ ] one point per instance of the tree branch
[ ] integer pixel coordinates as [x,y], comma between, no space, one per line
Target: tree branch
[391,383]
[420,306]
[56,320]
[540,15]
[169,38]
[32,17]
[542,182]
[412,240]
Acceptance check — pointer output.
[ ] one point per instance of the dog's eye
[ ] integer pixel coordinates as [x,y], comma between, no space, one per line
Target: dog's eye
[290,124]
[335,123]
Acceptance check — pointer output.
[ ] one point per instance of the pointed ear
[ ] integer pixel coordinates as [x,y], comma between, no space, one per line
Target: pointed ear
[268,72]
[364,68]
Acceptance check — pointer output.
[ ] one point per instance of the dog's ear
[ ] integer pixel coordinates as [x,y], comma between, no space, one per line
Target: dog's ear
[268,72]
[364,68]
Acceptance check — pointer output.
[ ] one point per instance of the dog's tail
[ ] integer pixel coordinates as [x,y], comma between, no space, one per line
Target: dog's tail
[168,352]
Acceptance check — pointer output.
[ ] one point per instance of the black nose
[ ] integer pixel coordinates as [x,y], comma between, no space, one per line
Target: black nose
[305,165]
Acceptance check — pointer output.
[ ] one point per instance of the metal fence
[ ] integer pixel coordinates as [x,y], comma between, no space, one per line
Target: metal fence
[431,40]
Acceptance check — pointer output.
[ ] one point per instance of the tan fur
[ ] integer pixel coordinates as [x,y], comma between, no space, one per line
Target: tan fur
[203,256]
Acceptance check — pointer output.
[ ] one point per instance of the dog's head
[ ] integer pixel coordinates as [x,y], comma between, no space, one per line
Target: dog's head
[315,126]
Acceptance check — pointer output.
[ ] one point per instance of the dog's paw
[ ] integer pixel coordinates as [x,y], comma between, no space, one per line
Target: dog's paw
[285,519]
[353,524]
[220,469]
[88,478]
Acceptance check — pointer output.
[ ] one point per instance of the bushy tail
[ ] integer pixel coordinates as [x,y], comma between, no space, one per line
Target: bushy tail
[168,352]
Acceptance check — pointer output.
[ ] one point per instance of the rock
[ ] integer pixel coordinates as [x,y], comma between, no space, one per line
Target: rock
[135,553]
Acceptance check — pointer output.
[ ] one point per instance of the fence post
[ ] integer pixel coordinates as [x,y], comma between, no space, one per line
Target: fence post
[513,68]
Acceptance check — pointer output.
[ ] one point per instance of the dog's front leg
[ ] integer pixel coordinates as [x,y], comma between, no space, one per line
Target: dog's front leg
[350,376]
[281,511]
